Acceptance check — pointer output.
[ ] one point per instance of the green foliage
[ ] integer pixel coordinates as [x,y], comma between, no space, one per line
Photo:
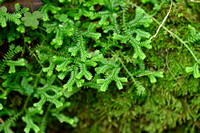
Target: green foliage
[46,8]
[29,121]
[157,3]
[62,118]
[150,74]
[15,17]
[6,125]
[42,92]
[30,20]
[62,30]
[194,38]
[194,69]
[131,28]
[8,17]
[113,75]
[12,64]
[12,51]
[90,65]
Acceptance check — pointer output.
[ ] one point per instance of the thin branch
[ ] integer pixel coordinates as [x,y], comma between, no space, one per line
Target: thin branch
[133,79]
[170,33]
[150,73]
[31,5]
[35,56]
[44,119]
[194,1]
[179,40]
[162,21]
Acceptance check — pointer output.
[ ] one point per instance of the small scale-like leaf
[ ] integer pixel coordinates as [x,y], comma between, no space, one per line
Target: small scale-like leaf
[189,69]
[72,80]
[194,69]
[83,71]
[1,106]
[80,46]
[113,75]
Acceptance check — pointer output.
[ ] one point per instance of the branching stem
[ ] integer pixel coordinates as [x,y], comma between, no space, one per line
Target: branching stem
[194,1]
[133,79]
[162,21]
[43,123]
[178,38]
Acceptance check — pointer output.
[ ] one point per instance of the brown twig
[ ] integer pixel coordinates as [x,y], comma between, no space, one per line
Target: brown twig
[162,22]
[174,35]
[194,1]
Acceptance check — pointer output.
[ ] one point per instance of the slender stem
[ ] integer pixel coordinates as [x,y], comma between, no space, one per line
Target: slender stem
[43,123]
[127,71]
[194,1]
[178,38]
[163,21]
[133,79]
[16,116]
[26,102]
[32,52]
[125,68]
[150,73]
[31,5]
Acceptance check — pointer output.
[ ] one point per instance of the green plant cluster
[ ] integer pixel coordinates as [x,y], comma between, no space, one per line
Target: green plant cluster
[91,65]
[171,104]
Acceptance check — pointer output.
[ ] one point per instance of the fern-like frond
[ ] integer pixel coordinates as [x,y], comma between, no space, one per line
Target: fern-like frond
[140,90]
[10,54]
[80,46]
[113,75]
[69,93]
[81,12]
[72,80]
[91,33]
[84,72]
[44,57]
[20,81]
[4,17]
[194,36]
[194,39]
[151,75]
[43,93]
[104,68]
[46,8]
[28,119]
[8,123]
[62,118]
[131,27]
[132,33]
[30,124]
[141,71]
[60,29]
[13,64]
[110,7]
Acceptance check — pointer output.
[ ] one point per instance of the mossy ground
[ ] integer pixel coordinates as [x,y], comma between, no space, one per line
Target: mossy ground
[171,104]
